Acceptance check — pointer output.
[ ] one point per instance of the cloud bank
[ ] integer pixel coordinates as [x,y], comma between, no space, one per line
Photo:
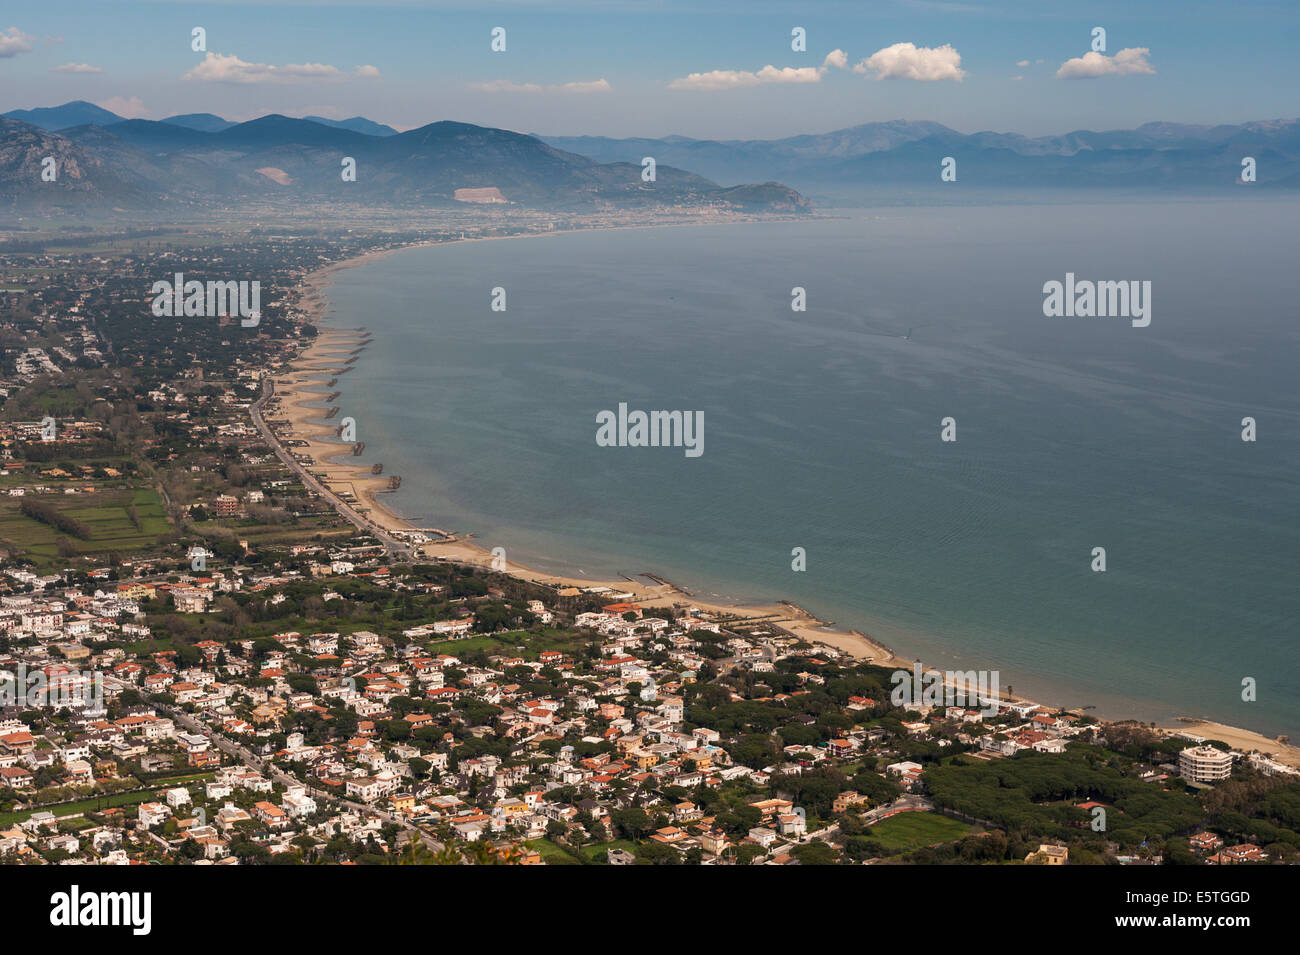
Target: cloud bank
[1091,65]
[907,61]
[734,79]
[508,86]
[14,41]
[222,68]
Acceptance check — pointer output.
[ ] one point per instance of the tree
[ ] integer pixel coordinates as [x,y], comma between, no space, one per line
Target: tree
[654,853]
[814,853]
[631,823]
[747,852]
[755,750]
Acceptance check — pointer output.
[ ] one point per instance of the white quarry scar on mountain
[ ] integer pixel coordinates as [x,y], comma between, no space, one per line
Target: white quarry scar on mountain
[485,194]
[276,175]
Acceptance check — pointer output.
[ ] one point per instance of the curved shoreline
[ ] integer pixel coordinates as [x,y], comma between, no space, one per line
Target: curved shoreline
[314,367]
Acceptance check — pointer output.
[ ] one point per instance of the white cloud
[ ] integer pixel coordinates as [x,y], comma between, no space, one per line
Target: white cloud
[76,68]
[222,68]
[593,86]
[732,79]
[907,61]
[509,86]
[836,58]
[506,86]
[789,74]
[14,41]
[1022,63]
[1091,65]
[132,108]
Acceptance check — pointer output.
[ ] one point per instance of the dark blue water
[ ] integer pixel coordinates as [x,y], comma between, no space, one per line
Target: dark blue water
[822,430]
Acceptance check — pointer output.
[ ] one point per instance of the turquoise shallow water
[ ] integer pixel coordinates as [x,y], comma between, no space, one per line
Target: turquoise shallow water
[822,430]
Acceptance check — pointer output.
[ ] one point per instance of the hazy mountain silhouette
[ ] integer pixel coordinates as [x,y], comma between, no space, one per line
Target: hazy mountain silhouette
[143,162]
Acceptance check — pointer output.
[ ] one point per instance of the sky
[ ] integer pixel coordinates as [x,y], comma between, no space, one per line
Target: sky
[719,70]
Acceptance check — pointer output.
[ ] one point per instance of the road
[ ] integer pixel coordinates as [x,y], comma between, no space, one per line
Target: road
[393,545]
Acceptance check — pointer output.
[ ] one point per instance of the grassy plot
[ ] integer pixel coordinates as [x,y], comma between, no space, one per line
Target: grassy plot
[598,851]
[509,643]
[551,853]
[326,527]
[105,513]
[486,643]
[115,801]
[913,830]
[151,645]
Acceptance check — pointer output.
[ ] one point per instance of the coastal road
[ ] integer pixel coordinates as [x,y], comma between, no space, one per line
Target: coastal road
[393,545]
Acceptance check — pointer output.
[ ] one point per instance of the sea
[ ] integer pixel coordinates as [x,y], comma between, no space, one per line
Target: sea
[823,429]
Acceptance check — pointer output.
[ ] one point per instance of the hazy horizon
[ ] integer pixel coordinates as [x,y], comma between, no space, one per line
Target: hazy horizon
[710,71]
[550,134]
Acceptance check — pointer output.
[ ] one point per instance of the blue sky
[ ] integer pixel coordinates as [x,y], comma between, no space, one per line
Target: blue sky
[625,68]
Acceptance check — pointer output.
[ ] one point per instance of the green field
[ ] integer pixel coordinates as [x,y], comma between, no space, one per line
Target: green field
[326,527]
[151,645]
[105,513]
[595,853]
[85,805]
[93,804]
[598,851]
[913,830]
[551,853]
[509,643]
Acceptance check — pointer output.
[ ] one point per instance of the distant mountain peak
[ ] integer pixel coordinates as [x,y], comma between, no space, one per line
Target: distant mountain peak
[357,124]
[201,122]
[76,113]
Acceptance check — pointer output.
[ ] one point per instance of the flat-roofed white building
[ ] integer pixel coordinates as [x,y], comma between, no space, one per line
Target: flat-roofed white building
[1204,764]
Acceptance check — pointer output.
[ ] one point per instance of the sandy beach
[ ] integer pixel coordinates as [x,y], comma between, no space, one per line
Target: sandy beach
[308,381]
[1239,739]
[309,433]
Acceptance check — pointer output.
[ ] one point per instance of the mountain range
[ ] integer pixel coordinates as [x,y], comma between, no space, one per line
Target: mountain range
[201,159]
[1160,155]
[81,113]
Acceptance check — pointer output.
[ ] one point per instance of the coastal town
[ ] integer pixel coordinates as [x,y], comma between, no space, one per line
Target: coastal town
[221,648]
